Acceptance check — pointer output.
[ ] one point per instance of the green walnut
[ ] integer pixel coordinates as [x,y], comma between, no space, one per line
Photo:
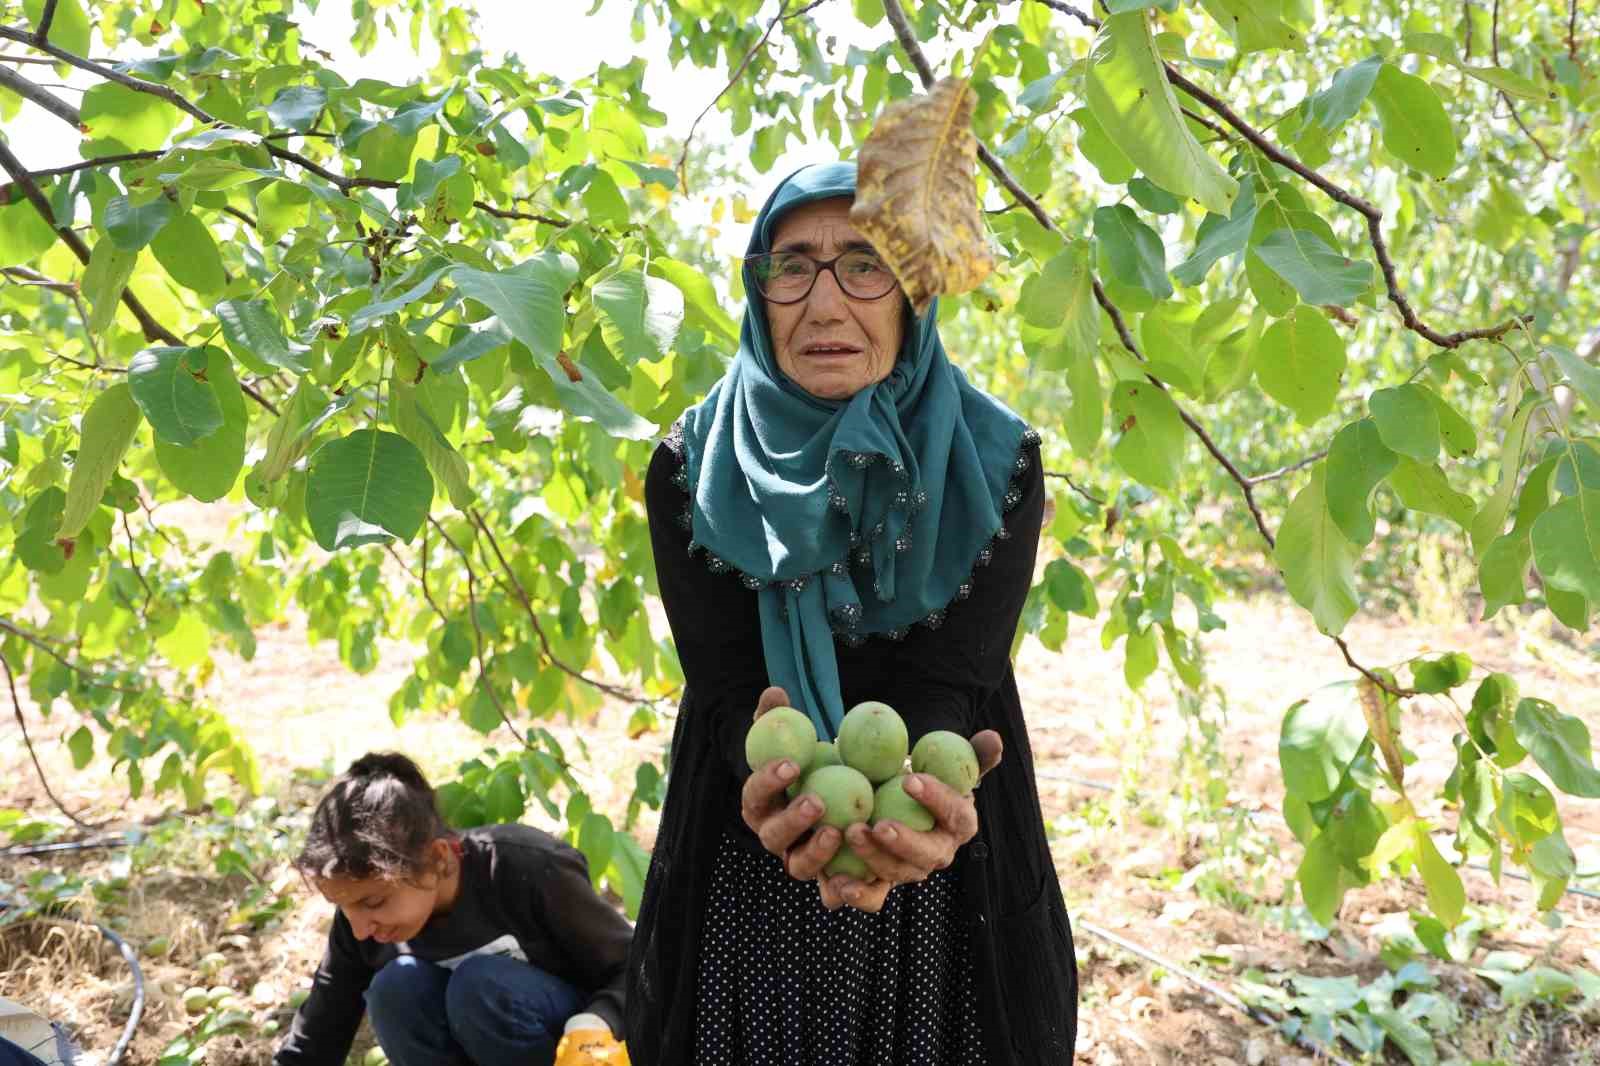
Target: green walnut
[846,861]
[827,754]
[892,804]
[781,733]
[949,757]
[872,738]
[845,794]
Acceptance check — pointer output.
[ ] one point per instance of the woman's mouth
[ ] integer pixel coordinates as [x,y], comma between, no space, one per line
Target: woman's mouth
[830,350]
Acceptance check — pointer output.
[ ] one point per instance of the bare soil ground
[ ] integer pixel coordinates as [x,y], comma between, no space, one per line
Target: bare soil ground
[1146,858]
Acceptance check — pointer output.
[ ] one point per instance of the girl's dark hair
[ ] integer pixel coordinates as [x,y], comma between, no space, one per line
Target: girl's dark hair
[376,821]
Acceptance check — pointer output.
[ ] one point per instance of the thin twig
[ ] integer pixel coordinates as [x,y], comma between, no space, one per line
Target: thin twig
[908,43]
[1466,29]
[1494,34]
[1572,30]
[41,33]
[133,561]
[521,593]
[1516,117]
[500,212]
[1075,487]
[44,645]
[88,332]
[1067,9]
[1284,471]
[477,632]
[16,706]
[1372,214]
[683,157]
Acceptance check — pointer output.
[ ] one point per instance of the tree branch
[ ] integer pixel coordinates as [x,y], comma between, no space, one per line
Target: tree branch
[10,79]
[16,706]
[908,43]
[1075,487]
[44,645]
[1516,117]
[42,32]
[683,157]
[500,212]
[533,616]
[1286,470]
[1067,9]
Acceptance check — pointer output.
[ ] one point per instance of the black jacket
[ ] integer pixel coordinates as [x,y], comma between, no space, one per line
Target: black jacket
[523,893]
[957,676]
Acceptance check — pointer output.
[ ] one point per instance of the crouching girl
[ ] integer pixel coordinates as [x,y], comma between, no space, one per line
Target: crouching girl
[475,949]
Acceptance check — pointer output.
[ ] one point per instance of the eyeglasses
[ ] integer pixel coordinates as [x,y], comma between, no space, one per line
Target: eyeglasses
[787,277]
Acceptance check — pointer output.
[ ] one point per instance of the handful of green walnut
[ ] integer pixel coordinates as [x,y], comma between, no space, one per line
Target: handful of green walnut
[861,776]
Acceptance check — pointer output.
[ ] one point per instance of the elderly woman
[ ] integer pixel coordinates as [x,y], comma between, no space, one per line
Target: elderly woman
[845,518]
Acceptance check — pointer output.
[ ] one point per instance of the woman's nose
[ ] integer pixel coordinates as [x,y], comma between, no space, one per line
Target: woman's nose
[827,299]
[362,927]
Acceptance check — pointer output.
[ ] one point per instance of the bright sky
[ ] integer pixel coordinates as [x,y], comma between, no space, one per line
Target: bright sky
[562,39]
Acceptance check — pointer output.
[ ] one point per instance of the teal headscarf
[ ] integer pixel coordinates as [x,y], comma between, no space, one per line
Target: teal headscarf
[853,517]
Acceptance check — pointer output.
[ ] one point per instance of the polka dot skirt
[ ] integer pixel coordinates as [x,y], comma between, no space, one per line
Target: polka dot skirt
[785,982]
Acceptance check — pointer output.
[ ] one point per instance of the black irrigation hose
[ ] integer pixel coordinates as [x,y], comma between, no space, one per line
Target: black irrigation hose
[1303,1039]
[132,960]
[1571,890]
[20,850]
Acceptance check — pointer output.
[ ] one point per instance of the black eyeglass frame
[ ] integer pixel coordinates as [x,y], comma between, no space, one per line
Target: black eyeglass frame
[820,265]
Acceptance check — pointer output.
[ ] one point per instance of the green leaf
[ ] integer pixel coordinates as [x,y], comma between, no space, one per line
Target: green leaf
[1153,198]
[417,426]
[1441,674]
[639,316]
[1566,544]
[1322,883]
[1407,421]
[81,745]
[24,234]
[1087,414]
[1061,299]
[1255,25]
[1503,570]
[131,228]
[1357,461]
[1447,897]
[290,436]
[1317,561]
[366,488]
[1581,375]
[297,107]
[181,408]
[208,469]
[185,249]
[1492,517]
[1490,720]
[376,312]
[256,337]
[1220,236]
[36,546]
[1318,273]
[1416,129]
[108,430]
[119,119]
[1126,88]
[1460,439]
[103,281]
[483,338]
[1423,487]
[1151,435]
[1070,588]
[69,27]
[1570,608]
[1132,252]
[1300,363]
[702,308]
[1443,47]
[1560,745]
[1339,102]
[528,298]
[1318,740]
[1099,149]
[596,839]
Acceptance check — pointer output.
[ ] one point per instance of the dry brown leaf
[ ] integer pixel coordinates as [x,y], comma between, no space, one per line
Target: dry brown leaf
[917,194]
[1381,726]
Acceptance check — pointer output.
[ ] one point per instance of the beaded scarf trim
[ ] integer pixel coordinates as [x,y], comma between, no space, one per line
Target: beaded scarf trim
[846,620]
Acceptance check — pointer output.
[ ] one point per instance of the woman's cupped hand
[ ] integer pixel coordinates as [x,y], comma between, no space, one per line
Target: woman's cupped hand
[895,853]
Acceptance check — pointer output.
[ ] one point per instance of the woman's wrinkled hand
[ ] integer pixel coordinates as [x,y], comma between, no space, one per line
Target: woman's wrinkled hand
[899,855]
[784,826]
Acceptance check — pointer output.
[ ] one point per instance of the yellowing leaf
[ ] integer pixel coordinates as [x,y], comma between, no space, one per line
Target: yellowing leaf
[916,194]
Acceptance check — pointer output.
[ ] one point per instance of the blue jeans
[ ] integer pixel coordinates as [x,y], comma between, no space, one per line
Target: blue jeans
[491,1011]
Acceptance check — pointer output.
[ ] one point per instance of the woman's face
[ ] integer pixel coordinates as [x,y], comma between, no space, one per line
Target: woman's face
[830,344]
[391,910]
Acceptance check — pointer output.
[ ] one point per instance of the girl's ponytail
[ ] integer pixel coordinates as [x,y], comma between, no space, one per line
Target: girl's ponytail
[375,821]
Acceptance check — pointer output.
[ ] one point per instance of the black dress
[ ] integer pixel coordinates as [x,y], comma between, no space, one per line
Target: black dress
[734,963]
